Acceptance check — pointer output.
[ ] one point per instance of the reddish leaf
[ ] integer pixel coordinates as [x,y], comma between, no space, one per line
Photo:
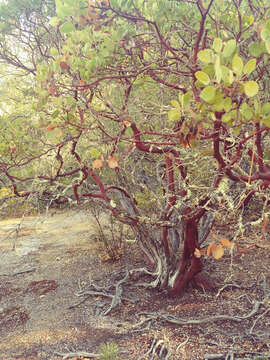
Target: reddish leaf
[52,90]
[64,65]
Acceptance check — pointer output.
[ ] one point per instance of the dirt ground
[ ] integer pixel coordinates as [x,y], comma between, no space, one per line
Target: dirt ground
[46,260]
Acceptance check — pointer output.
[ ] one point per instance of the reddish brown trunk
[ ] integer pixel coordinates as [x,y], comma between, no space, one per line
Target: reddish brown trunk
[190,265]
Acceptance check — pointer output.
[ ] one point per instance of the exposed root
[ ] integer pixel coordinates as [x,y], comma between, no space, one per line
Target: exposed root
[95,290]
[158,348]
[153,317]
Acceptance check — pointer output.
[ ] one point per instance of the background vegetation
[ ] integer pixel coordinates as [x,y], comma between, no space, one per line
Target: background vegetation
[159,111]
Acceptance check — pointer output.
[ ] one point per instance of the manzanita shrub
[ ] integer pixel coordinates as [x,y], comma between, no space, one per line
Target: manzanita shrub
[158,110]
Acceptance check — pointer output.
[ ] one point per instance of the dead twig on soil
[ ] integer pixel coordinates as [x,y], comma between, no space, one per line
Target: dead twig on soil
[19,272]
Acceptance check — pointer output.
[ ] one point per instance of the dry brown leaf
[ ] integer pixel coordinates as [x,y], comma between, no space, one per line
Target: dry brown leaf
[218,251]
[97,164]
[225,242]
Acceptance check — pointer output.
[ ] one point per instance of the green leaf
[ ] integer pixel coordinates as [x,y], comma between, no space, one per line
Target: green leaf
[227,105]
[251,88]
[250,66]
[217,45]
[256,49]
[226,117]
[95,153]
[186,99]
[174,115]
[208,94]
[202,77]
[237,64]
[205,56]
[266,121]
[229,48]
[54,51]
[209,70]
[54,21]
[175,104]
[265,34]
[218,71]
[266,108]
[246,111]
[67,27]
[267,45]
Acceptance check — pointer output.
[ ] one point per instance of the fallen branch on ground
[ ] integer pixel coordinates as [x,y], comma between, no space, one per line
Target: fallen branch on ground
[19,272]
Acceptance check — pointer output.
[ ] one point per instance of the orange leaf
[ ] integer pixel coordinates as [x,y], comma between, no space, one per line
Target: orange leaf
[225,242]
[50,127]
[97,164]
[126,123]
[197,253]
[218,251]
[210,248]
[112,162]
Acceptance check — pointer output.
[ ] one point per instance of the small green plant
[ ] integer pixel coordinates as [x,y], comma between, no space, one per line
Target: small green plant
[109,351]
[110,234]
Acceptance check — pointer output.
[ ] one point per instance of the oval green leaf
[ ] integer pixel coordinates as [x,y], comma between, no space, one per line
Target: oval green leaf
[218,71]
[266,108]
[202,77]
[251,88]
[246,111]
[174,115]
[205,56]
[67,27]
[229,48]
[217,45]
[267,45]
[237,64]
[208,94]
[266,121]
[250,66]
[227,105]
[175,104]
[256,49]
[265,34]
